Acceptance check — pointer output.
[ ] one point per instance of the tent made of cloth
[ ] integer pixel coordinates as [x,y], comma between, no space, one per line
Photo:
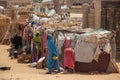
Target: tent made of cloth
[87,49]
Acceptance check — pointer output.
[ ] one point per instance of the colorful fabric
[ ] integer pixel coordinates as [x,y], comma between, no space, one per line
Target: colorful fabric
[69,58]
[67,42]
[34,53]
[37,41]
[52,50]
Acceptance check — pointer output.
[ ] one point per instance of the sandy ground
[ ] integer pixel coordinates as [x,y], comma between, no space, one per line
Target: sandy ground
[23,72]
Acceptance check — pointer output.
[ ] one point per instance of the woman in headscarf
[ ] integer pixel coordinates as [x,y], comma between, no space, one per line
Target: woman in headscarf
[52,59]
[69,60]
[37,41]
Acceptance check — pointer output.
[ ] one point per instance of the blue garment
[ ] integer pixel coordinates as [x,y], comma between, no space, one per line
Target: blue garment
[52,50]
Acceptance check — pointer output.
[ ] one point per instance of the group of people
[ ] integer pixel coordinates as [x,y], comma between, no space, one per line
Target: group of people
[40,43]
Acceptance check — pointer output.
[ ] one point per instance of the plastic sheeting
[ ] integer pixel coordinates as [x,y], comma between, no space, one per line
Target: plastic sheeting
[84,51]
[52,12]
[35,17]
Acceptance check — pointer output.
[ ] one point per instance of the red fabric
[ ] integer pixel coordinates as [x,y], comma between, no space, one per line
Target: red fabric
[67,42]
[69,58]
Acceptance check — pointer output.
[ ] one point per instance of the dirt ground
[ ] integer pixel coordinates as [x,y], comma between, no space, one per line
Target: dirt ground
[24,72]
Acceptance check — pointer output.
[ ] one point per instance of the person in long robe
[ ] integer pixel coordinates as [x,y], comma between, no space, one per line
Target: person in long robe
[52,59]
[37,41]
[34,52]
[69,60]
[17,41]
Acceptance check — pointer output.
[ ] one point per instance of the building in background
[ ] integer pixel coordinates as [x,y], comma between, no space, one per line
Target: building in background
[10,3]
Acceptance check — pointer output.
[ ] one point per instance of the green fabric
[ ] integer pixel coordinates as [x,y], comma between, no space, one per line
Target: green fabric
[37,40]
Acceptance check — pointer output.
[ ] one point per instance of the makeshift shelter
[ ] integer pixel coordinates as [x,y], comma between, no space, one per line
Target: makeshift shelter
[4,25]
[93,49]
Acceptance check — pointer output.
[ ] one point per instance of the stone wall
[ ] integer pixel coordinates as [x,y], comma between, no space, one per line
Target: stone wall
[97,7]
[91,18]
[85,9]
[110,17]
[103,14]
[92,14]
